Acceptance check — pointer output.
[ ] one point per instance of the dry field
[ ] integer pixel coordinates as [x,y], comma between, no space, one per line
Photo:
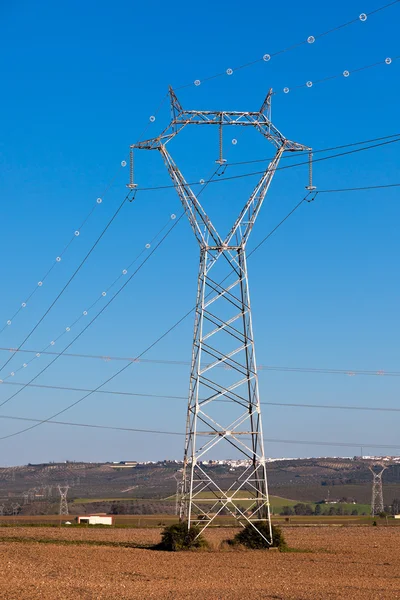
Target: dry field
[338,563]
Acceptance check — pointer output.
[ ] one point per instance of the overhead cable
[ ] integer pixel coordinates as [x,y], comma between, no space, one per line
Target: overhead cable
[76,337]
[83,314]
[145,351]
[181,434]
[64,288]
[254,173]
[310,39]
[260,367]
[61,254]
[318,150]
[172,397]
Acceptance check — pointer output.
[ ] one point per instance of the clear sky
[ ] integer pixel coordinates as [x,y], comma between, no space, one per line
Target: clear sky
[79,83]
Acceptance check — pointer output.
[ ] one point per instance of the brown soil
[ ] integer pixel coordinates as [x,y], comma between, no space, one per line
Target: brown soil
[330,563]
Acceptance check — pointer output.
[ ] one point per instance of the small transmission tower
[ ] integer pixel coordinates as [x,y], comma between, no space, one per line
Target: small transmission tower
[63,499]
[223,335]
[377,491]
[15,507]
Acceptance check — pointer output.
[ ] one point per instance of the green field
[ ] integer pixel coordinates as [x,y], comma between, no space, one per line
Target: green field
[277,502]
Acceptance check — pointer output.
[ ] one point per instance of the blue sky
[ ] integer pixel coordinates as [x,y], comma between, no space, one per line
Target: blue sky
[79,85]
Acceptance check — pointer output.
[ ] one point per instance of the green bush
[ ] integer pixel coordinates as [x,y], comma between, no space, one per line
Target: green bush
[250,538]
[178,537]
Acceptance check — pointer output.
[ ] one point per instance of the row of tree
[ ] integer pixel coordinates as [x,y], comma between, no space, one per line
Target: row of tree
[303,509]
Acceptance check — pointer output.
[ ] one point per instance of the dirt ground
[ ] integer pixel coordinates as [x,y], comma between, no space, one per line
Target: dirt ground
[338,563]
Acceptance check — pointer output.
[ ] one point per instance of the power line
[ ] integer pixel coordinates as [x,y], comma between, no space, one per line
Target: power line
[59,257]
[260,367]
[70,279]
[309,40]
[58,355]
[165,333]
[260,244]
[248,174]
[345,73]
[254,173]
[136,359]
[211,181]
[172,397]
[144,352]
[265,58]
[101,296]
[180,434]
[277,226]
[360,189]
[98,387]
[76,337]
[318,151]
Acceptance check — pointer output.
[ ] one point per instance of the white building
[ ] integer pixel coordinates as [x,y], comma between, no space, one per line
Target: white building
[95,519]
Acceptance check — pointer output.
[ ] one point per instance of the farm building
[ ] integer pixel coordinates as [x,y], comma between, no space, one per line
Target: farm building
[95,519]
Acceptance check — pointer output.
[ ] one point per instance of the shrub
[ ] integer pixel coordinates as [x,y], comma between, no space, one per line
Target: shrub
[178,537]
[250,538]
[287,510]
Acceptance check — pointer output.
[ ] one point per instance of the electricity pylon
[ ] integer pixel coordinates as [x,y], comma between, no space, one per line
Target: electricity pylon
[224,403]
[377,491]
[15,508]
[63,499]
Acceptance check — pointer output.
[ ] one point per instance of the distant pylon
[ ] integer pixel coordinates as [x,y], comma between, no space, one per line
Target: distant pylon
[25,496]
[2,507]
[15,508]
[63,499]
[377,492]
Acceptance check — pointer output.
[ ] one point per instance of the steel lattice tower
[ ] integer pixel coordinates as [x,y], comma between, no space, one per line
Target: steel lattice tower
[224,403]
[377,491]
[15,508]
[63,499]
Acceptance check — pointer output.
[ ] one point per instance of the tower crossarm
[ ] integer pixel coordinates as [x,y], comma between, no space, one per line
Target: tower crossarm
[257,120]
[260,120]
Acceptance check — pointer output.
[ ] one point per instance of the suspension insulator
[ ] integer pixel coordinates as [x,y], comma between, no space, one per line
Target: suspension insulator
[131,185]
[310,185]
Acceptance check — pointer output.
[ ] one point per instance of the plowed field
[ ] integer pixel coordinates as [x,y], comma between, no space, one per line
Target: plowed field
[339,563]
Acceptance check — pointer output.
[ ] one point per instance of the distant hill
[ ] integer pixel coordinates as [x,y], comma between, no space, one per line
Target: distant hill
[312,480]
